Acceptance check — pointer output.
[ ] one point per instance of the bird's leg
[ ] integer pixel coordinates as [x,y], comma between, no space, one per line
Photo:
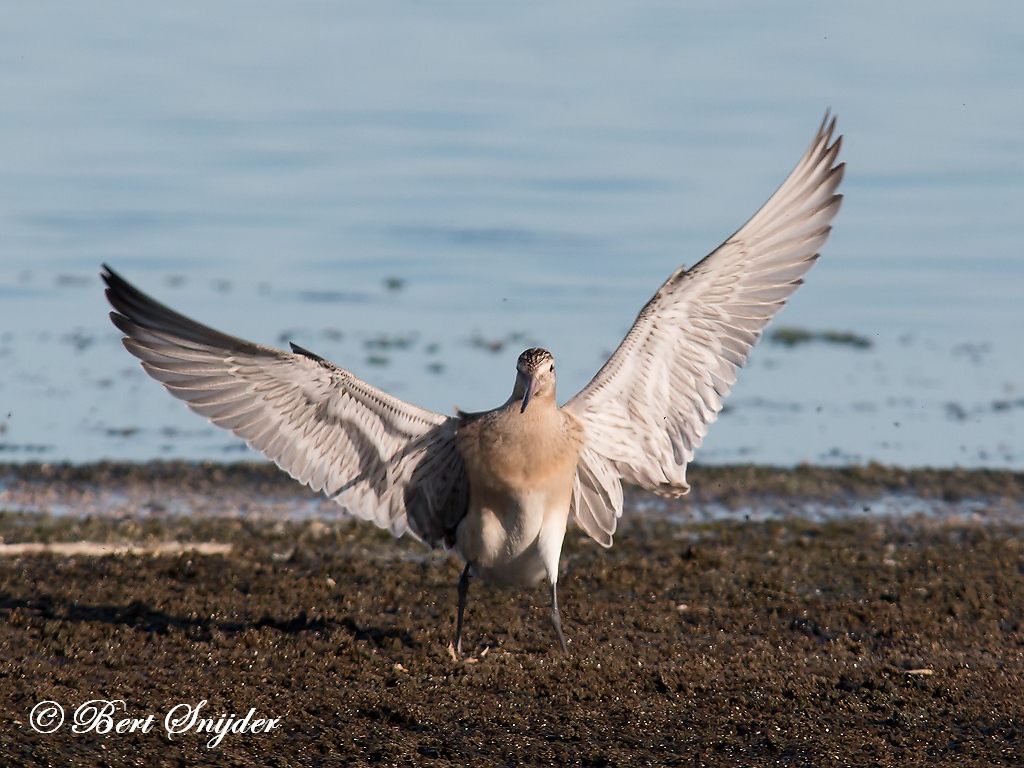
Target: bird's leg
[463,591]
[556,619]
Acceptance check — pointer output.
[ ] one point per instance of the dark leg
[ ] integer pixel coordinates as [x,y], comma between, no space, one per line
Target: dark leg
[556,619]
[463,591]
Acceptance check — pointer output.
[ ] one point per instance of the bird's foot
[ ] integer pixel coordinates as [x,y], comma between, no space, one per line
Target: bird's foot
[556,618]
[455,647]
[556,622]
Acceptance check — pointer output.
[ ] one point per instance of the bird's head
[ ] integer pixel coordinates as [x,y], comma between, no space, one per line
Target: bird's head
[535,376]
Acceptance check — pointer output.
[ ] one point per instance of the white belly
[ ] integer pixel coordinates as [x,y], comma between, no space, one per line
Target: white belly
[516,545]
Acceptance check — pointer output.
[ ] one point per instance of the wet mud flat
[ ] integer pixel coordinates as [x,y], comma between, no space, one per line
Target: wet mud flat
[861,641]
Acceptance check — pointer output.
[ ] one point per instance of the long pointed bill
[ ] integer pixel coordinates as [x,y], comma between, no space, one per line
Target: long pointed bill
[532,382]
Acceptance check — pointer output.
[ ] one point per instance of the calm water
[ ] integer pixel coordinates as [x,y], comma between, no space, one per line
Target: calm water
[418,191]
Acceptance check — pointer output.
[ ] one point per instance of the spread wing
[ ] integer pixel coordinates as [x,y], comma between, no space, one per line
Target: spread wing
[379,457]
[649,407]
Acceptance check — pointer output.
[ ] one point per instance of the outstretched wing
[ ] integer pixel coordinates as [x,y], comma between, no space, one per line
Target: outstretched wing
[649,407]
[379,457]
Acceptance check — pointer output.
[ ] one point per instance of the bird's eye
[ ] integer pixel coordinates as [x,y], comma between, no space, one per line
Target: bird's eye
[552,368]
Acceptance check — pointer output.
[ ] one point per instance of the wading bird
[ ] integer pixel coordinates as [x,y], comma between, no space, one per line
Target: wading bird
[499,486]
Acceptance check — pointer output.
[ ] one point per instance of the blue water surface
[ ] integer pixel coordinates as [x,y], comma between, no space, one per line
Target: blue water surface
[420,190]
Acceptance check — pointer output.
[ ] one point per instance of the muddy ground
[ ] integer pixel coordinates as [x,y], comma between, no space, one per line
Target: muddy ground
[860,642]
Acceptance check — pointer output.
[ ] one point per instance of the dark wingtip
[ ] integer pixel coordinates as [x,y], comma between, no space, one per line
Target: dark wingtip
[305,352]
[139,310]
[114,282]
[828,128]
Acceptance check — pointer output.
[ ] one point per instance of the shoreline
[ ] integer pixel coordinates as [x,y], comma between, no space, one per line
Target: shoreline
[708,482]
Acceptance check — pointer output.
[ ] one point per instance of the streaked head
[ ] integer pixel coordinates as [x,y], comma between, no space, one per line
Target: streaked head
[535,376]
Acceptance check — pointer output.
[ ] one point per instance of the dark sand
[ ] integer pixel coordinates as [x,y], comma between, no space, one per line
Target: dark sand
[865,642]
